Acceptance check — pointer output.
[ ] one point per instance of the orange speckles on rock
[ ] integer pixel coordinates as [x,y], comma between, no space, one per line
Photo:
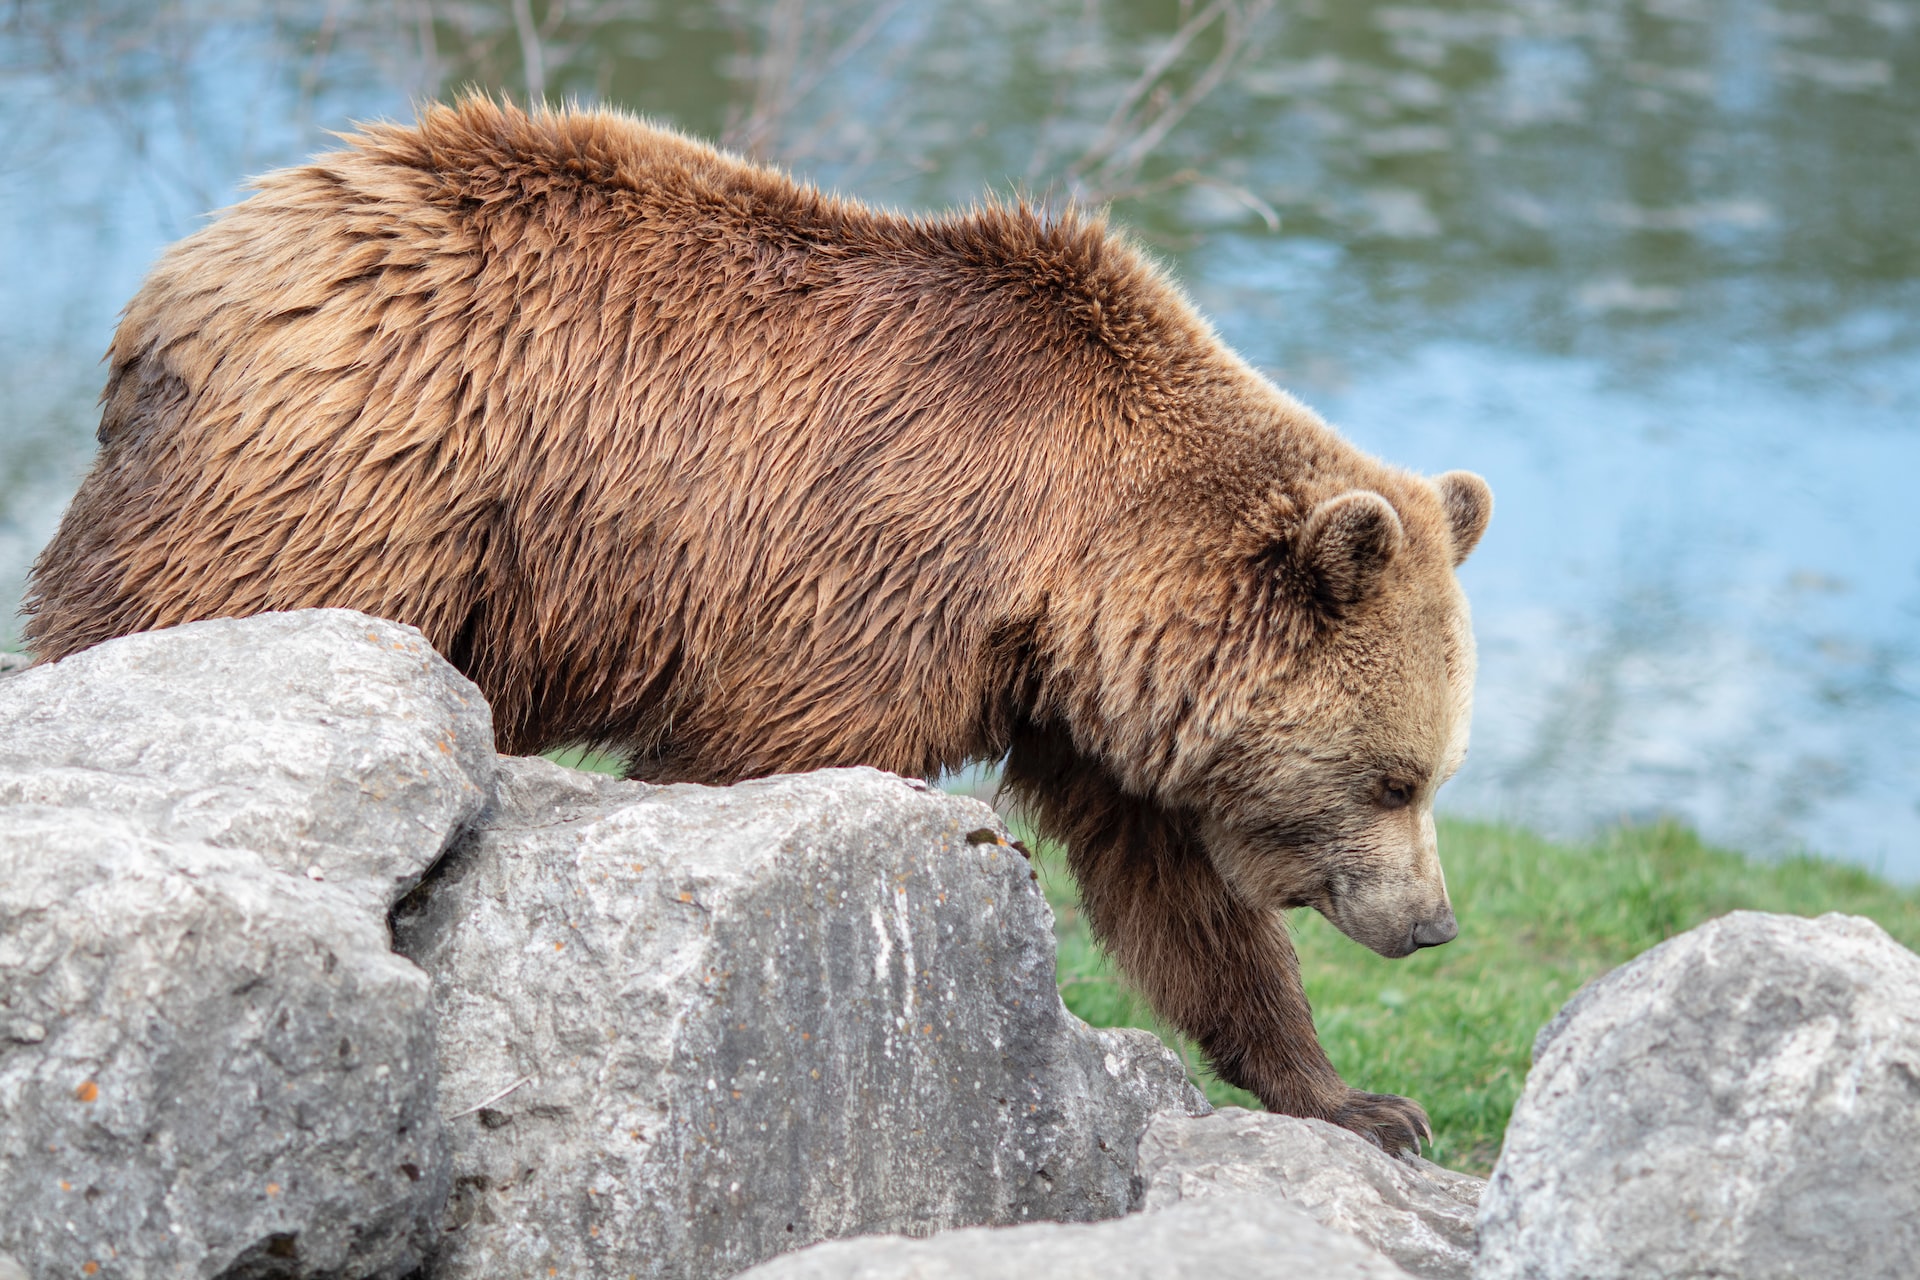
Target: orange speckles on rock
[87,1092]
[559,946]
[273,1189]
[90,1267]
[65,1185]
[686,897]
[927,1030]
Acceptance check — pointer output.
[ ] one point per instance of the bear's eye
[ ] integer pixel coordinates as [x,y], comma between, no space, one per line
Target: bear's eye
[1395,794]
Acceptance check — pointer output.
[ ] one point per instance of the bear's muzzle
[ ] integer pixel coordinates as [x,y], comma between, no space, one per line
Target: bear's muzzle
[1436,932]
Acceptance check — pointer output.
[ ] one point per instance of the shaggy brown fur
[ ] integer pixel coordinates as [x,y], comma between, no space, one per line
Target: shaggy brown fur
[669,452]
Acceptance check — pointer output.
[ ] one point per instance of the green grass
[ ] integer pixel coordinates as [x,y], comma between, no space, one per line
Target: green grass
[1453,1026]
[590,760]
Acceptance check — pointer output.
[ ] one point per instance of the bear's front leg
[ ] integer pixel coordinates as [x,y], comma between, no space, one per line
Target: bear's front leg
[1222,971]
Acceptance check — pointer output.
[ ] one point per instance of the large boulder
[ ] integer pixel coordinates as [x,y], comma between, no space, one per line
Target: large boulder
[685,1029]
[211,1062]
[671,1031]
[1409,1209]
[334,745]
[204,1063]
[1227,1237]
[1742,1100]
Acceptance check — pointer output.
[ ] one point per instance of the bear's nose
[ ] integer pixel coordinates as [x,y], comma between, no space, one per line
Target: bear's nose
[1440,929]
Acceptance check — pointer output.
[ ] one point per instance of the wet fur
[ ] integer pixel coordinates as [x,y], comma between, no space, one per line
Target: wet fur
[671,453]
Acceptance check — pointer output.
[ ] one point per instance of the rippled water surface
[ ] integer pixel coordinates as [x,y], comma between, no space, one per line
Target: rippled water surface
[1653,268]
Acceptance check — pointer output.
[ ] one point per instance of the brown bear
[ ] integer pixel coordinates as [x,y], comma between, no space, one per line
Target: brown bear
[671,453]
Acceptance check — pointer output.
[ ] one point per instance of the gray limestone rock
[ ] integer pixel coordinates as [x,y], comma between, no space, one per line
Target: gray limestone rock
[203,1061]
[690,1028]
[1227,1237]
[1412,1210]
[211,1061]
[324,740]
[1742,1101]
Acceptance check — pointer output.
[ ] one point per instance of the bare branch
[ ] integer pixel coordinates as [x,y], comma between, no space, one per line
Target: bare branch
[429,49]
[1120,125]
[791,65]
[1232,44]
[1149,109]
[532,57]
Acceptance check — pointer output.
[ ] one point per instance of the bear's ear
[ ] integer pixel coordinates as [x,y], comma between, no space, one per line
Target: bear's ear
[1469,505]
[1347,543]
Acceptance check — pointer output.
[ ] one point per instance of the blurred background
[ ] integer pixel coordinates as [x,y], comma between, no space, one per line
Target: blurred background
[1651,266]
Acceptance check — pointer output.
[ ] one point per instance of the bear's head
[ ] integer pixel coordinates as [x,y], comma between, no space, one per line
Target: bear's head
[1277,648]
[1320,791]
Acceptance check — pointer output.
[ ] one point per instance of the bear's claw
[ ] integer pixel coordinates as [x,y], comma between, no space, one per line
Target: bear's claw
[1392,1123]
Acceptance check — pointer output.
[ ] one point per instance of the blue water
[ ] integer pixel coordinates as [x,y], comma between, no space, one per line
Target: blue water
[1653,268]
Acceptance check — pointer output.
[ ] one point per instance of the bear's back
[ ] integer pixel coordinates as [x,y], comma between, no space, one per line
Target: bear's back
[609,415]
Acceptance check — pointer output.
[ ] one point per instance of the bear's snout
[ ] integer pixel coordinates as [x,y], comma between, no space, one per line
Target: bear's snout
[1436,932]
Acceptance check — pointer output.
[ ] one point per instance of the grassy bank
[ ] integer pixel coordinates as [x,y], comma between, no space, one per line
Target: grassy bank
[1454,1026]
